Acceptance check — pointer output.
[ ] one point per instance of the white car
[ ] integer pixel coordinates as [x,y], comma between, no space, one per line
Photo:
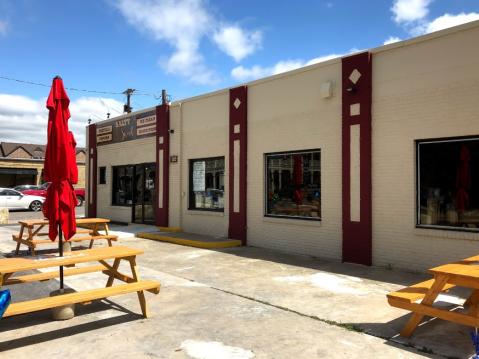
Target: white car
[11,199]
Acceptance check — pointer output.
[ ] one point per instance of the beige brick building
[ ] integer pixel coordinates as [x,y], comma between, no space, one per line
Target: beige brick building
[386,144]
[22,163]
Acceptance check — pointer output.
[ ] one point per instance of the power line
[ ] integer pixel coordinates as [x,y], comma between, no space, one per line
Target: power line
[75,89]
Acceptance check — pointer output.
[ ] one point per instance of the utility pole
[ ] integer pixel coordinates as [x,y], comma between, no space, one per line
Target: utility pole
[127,107]
[163,97]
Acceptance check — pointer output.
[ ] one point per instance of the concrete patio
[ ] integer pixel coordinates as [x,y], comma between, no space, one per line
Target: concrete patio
[240,302]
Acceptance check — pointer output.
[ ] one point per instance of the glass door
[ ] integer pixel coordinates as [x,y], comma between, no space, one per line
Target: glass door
[145,193]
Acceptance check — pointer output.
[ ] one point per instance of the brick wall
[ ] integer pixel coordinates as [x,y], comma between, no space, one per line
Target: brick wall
[277,123]
[118,154]
[204,133]
[427,90]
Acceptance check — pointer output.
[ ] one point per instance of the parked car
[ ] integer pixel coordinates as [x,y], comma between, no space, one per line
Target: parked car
[11,199]
[42,192]
[25,187]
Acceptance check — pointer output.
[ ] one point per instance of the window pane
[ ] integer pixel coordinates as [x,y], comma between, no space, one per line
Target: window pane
[294,184]
[447,194]
[102,178]
[207,184]
[129,185]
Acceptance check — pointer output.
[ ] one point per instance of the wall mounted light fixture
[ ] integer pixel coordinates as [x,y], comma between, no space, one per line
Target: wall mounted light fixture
[351,90]
[171,130]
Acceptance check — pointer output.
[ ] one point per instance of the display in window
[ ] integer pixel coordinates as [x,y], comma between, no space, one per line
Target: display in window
[447,195]
[207,184]
[294,185]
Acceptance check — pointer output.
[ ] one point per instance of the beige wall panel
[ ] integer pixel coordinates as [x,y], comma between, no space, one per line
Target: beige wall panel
[428,90]
[288,114]
[355,173]
[118,154]
[205,133]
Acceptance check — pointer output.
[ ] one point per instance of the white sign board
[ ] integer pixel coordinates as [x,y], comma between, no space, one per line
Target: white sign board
[199,176]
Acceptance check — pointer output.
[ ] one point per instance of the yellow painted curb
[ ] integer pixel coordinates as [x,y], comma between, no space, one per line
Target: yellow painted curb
[187,242]
[163,229]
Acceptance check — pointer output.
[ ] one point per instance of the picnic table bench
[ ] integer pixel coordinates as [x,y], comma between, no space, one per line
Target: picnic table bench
[29,240]
[464,273]
[9,266]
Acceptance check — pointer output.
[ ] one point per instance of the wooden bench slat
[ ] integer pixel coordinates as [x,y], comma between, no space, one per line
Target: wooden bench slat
[414,292]
[78,221]
[80,297]
[54,274]
[73,239]
[83,231]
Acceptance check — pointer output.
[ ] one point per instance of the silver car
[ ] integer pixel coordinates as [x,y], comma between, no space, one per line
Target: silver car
[11,199]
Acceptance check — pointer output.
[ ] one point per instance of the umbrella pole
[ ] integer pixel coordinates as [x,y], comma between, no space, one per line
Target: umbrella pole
[60,245]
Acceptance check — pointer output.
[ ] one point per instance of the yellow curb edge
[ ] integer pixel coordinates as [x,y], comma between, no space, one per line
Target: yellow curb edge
[187,242]
[163,229]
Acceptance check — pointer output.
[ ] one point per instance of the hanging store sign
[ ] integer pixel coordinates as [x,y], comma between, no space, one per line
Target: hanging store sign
[127,129]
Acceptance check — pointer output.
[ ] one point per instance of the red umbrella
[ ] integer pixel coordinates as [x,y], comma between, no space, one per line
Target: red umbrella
[463,181]
[297,179]
[60,168]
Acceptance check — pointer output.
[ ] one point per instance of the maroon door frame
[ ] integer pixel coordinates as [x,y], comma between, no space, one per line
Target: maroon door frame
[162,135]
[238,116]
[357,236]
[92,155]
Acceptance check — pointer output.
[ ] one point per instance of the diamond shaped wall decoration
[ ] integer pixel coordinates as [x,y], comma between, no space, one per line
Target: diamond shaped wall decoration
[237,103]
[355,75]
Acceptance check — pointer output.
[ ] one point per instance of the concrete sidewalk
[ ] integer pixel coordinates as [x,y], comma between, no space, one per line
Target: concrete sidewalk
[240,302]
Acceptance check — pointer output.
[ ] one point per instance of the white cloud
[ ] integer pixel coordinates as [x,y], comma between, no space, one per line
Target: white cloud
[391,40]
[24,120]
[241,73]
[183,24]
[3,27]
[236,42]
[444,22]
[410,10]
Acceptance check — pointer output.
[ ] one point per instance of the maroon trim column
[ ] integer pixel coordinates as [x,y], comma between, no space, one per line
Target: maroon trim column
[92,171]
[163,182]
[357,235]
[238,110]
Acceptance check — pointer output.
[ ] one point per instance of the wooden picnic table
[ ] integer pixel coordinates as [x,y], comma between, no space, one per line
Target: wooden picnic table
[9,266]
[464,273]
[29,240]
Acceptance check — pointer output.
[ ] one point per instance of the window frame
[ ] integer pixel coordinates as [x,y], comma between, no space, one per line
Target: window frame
[113,168]
[100,169]
[265,183]
[191,198]
[418,224]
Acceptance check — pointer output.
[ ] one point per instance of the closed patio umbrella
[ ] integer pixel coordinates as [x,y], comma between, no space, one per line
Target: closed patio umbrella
[297,180]
[60,169]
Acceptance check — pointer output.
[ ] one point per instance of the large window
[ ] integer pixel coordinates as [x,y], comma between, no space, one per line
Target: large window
[122,193]
[448,187]
[207,184]
[293,185]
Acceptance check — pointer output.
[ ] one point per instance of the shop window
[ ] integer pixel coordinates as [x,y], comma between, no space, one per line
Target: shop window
[122,193]
[447,183]
[293,185]
[207,184]
[102,178]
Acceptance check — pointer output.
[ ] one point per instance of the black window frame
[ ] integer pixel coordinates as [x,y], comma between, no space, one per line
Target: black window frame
[102,175]
[191,195]
[266,178]
[418,183]
[114,170]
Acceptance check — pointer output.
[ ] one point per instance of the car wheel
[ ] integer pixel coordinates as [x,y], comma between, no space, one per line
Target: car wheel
[80,201]
[35,206]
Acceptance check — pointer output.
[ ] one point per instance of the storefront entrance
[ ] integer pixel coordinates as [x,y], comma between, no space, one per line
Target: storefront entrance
[144,196]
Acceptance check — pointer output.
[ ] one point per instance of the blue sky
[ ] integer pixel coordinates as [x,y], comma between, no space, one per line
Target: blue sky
[187,47]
